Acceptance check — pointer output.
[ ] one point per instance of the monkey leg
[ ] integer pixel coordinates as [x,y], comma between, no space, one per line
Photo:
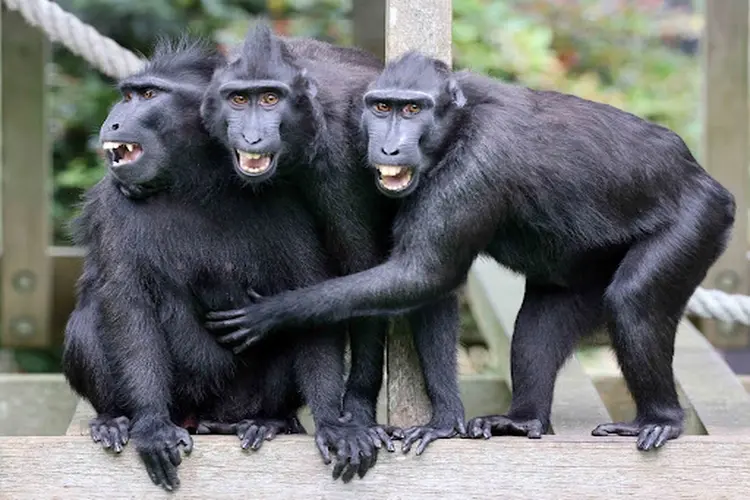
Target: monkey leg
[435,330]
[548,326]
[367,340]
[644,303]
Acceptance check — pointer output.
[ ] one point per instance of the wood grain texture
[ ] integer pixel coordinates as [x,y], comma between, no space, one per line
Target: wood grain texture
[425,26]
[495,297]
[726,139]
[714,391]
[25,186]
[553,468]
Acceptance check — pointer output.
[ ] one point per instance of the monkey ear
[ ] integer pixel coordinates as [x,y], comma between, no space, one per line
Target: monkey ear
[304,83]
[454,91]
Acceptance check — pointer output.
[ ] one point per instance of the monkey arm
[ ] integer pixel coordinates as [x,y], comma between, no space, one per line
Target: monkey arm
[398,285]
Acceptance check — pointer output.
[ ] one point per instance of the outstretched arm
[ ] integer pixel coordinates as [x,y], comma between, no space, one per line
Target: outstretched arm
[395,286]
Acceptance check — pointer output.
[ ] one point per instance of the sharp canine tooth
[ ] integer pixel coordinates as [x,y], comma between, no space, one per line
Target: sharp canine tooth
[130,147]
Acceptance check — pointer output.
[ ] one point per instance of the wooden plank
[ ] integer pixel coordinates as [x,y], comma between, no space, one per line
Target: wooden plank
[514,468]
[725,145]
[495,296]
[714,391]
[423,25]
[26,278]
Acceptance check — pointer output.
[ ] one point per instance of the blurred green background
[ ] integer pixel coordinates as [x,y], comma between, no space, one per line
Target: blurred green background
[636,55]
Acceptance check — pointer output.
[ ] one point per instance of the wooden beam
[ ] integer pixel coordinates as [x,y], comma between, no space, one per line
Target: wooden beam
[725,145]
[368,18]
[495,297]
[714,391]
[26,277]
[551,468]
[423,25]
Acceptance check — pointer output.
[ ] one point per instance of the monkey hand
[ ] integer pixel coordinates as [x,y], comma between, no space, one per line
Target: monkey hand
[111,433]
[381,435]
[252,432]
[355,451]
[438,428]
[247,325]
[158,443]
[504,425]
[651,434]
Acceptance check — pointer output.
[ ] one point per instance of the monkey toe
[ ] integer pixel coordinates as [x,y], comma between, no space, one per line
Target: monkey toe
[651,436]
[355,450]
[158,445]
[504,425]
[427,434]
[110,433]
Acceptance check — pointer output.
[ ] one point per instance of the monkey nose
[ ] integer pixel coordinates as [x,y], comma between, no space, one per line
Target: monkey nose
[390,151]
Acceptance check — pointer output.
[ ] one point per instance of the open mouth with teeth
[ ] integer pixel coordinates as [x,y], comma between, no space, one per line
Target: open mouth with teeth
[122,153]
[394,178]
[254,163]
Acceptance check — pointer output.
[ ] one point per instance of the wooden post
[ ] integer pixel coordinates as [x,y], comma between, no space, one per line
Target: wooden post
[26,276]
[725,145]
[368,18]
[423,25]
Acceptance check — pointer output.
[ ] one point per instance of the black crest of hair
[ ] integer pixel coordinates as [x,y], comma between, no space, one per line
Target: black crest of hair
[185,59]
[317,145]
[135,345]
[609,217]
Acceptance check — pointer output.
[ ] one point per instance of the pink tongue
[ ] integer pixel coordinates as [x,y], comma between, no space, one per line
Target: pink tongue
[395,181]
[256,164]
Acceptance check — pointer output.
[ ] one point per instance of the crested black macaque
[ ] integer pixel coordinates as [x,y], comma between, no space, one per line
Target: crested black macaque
[290,117]
[200,240]
[610,218]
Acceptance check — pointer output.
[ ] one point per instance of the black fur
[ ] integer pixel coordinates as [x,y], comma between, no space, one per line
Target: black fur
[609,217]
[200,240]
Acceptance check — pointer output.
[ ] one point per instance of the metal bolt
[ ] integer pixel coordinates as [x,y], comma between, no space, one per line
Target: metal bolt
[24,281]
[23,327]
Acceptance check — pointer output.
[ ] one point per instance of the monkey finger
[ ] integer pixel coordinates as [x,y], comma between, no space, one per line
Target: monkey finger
[487,430]
[375,438]
[259,437]
[369,457]
[116,440]
[234,337]
[426,439]
[249,436]
[271,433]
[385,439]
[648,437]
[170,470]
[342,458]
[226,314]
[154,469]
[187,442]
[105,437]
[174,456]
[461,427]
[248,343]
[354,460]
[322,445]
[412,435]
[665,435]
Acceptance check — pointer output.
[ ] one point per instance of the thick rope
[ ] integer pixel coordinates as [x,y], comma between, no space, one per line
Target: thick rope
[80,38]
[715,304]
[118,62]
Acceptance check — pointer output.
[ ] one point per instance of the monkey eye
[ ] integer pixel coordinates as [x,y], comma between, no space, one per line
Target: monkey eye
[269,99]
[382,107]
[239,99]
[127,96]
[149,94]
[412,109]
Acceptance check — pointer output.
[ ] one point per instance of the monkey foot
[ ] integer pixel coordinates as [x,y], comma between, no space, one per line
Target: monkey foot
[111,433]
[425,434]
[503,425]
[383,436]
[354,448]
[252,432]
[158,443]
[650,435]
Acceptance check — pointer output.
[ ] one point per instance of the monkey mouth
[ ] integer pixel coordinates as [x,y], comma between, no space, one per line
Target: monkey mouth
[394,178]
[253,164]
[122,153]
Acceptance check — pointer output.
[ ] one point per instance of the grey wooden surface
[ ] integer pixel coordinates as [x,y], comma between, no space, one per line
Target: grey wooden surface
[26,156]
[552,468]
[495,296]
